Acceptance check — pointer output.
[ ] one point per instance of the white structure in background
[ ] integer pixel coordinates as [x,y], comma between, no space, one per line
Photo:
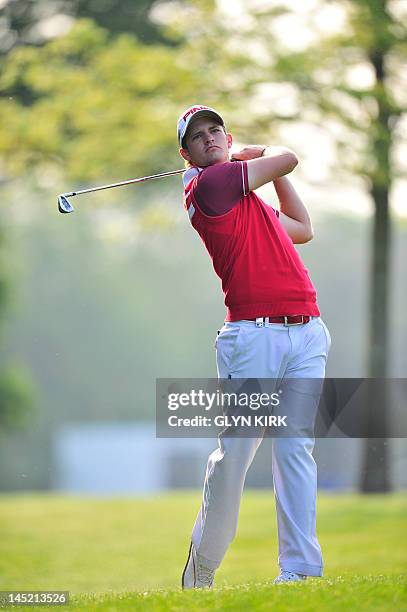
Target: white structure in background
[108,458]
[127,459]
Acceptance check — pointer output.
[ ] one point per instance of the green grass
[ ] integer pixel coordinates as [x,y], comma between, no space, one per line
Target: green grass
[127,554]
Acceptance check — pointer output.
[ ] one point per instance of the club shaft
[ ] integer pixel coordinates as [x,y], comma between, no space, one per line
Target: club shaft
[129,182]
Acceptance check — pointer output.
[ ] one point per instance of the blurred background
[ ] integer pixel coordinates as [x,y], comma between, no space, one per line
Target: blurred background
[95,306]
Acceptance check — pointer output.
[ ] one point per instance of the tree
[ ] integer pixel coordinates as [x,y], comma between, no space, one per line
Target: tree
[16,393]
[100,108]
[86,106]
[16,387]
[373,39]
[35,21]
[348,81]
[125,95]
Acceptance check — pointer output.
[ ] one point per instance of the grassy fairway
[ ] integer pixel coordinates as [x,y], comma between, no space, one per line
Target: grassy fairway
[123,554]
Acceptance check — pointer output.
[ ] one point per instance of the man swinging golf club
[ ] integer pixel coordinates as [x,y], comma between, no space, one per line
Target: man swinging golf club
[273,330]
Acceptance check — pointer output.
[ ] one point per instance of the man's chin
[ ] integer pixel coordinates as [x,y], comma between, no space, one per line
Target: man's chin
[217,157]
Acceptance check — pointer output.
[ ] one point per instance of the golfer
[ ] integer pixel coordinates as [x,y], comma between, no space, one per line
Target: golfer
[273,330]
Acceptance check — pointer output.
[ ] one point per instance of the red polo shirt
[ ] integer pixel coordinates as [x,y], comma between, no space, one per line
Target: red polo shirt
[261,272]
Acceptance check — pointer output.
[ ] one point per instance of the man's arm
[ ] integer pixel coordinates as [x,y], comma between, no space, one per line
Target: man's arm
[293,214]
[264,164]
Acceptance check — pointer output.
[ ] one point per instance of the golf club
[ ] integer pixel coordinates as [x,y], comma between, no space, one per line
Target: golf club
[64,205]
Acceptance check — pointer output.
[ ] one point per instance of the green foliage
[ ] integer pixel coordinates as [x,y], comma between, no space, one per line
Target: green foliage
[62,101]
[16,391]
[95,106]
[120,16]
[4,275]
[95,109]
[16,388]
[23,18]
[258,55]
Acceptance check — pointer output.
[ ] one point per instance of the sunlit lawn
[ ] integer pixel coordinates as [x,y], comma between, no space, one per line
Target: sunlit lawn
[129,553]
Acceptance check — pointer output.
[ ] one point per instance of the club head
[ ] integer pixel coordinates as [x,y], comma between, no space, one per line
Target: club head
[64,206]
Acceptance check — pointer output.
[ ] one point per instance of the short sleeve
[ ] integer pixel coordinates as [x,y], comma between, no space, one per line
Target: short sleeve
[220,187]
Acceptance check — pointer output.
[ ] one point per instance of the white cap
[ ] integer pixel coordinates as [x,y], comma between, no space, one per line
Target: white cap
[192,112]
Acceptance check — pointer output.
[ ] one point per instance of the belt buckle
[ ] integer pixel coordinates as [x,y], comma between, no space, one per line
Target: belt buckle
[259,322]
[286,324]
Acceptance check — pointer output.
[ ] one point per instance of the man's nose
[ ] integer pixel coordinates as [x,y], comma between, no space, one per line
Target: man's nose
[209,137]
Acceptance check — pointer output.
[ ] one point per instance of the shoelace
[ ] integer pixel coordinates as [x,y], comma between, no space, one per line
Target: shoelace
[205,575]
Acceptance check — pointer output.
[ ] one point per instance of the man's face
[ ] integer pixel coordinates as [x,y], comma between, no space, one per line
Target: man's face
[206,143]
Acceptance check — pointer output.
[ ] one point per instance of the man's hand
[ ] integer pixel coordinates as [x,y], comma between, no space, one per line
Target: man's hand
[249,152]
[265,164]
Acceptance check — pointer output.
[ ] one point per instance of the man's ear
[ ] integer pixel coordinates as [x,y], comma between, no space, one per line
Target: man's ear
[185,154]
[229,140]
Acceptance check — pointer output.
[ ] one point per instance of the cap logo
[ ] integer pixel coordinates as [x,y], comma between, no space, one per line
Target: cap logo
[193,110]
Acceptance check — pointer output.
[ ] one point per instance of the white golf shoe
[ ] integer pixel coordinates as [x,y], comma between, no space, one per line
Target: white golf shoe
[195,574]
[286,576]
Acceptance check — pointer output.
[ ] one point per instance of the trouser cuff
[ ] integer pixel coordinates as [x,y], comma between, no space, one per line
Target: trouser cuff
[209,563]
[302,568]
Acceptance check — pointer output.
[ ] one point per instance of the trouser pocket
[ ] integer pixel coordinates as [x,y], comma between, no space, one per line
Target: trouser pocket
[327,335]
[228,344]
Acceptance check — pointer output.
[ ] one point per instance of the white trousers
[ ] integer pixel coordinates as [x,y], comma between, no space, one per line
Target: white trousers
[273,352]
